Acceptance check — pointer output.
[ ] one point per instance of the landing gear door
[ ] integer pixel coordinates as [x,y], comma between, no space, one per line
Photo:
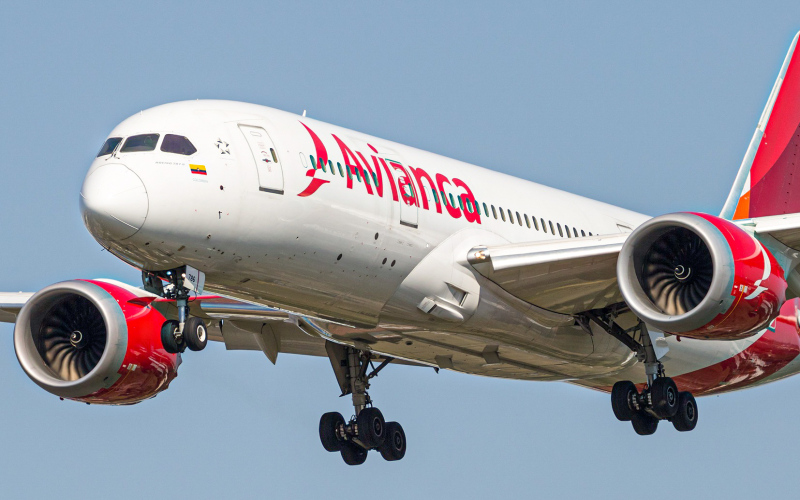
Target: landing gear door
[265,157]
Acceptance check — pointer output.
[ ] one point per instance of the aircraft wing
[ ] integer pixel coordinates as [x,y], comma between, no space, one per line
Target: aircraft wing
[784,228]
[565,276]
[10,304]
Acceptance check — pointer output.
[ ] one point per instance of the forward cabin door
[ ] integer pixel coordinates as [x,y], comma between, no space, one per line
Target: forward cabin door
[265,156]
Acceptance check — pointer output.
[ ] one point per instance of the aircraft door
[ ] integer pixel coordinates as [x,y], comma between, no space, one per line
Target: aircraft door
[265,157]
[409,212]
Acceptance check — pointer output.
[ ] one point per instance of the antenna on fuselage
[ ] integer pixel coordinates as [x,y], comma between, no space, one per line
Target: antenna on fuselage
[304,113]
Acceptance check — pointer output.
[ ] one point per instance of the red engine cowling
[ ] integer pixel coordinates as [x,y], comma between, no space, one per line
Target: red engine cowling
[95,342]
[700,276]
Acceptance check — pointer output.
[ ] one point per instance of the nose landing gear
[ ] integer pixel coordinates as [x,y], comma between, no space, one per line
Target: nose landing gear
[186,331]
[366,430]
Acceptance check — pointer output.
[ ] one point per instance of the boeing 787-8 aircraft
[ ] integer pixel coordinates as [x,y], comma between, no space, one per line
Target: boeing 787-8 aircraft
[276,232]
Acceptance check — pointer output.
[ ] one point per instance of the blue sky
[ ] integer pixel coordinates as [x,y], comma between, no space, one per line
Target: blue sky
[647,107]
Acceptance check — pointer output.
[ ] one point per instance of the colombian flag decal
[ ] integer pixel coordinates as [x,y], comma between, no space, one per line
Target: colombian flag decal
[198,169]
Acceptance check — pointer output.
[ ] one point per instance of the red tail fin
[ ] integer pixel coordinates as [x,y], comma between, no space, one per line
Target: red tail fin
[768,182]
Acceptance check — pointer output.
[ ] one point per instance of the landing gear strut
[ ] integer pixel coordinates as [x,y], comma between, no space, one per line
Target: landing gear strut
[366,430]
[187,331]
[659,398]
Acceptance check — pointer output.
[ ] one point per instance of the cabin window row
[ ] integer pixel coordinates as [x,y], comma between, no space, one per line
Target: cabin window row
[457,201]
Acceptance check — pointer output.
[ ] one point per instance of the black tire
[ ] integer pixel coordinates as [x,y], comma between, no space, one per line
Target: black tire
[195,334]
[644,424]
[620,400]
[168,330]
[328,427]
[394,446]
[371,427]
[686,417]
[664,394]
[352,454]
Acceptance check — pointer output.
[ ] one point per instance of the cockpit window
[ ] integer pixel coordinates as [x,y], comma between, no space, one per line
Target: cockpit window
[177,144]
[109,146]
[144,142]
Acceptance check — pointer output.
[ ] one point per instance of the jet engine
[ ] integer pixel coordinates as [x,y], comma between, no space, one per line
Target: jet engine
[700,276]
[95,342]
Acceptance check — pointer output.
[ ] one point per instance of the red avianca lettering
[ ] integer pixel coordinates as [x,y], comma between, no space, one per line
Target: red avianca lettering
[408,185]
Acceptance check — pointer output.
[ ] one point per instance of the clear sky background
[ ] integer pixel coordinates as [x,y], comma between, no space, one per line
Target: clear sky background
[647,107]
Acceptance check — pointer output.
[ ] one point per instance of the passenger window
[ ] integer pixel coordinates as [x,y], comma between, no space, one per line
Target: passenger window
[566,228]
[527,221]
[109,146]
[510,217]
[575,231]
[435,196]
[485,210]
[582,233]
[552,231]
[494,212]
[303,160]
[313,161]
[272,151]
[339,165]
[444,198]
[502,214]
[452,201]
[322,166]
[519,219]
[180,145]
[535,223]
[460,203]
[136,143]
[560,232]
[590,233]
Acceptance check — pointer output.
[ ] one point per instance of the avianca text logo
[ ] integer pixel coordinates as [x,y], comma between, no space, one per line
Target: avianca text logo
[410,180]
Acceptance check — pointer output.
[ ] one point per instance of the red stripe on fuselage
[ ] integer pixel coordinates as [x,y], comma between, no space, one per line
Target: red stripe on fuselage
[771,352]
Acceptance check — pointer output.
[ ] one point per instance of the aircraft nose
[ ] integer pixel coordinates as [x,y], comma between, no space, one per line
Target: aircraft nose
[114,202]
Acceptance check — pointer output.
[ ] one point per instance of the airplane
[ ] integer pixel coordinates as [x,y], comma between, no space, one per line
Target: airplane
[274,232]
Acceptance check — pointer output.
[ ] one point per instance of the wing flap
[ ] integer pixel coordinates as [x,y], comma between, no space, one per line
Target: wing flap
[565,276]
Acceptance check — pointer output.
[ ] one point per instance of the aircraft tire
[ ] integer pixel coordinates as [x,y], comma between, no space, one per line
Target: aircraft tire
[371,427]
[328,425]
[686,417]
[168,336]
[394,446]
[352,454]
[644,424]
[664,394]
[195,334]
[620,396]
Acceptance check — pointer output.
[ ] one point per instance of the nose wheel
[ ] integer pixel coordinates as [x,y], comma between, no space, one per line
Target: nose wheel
[367,429]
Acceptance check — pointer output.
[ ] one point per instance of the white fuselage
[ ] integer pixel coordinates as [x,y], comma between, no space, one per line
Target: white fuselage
[331,246]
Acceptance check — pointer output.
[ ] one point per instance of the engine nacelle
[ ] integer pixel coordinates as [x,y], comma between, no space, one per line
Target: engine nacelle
[700,276]
[94,342]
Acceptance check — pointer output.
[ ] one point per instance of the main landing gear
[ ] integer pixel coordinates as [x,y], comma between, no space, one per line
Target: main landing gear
[660,398]
[186,331]
[367,429]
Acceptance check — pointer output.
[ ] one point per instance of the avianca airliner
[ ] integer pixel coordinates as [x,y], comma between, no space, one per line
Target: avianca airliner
[279,233]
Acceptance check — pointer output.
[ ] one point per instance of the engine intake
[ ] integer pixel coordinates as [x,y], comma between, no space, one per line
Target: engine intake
[700,276]
[93,341]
